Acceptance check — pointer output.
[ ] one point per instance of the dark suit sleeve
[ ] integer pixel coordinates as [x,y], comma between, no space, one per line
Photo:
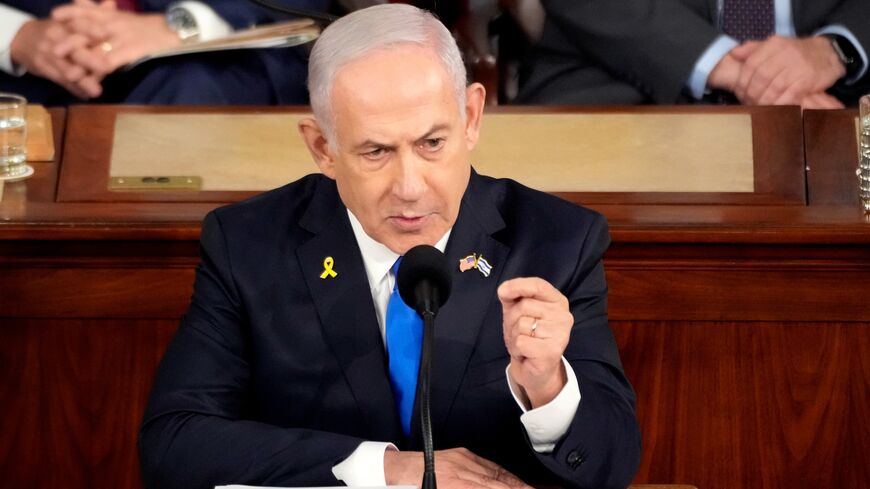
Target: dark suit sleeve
[244,13]
[653,44]
[854,15]
[241,14]
[602,446]
[196,432]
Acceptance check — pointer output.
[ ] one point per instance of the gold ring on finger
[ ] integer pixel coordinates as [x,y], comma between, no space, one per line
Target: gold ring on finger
[534,328]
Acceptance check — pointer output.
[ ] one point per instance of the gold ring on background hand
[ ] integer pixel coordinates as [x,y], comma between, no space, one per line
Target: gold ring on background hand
[534,328]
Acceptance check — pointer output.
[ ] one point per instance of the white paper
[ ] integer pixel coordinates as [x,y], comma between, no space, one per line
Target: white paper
[278,35]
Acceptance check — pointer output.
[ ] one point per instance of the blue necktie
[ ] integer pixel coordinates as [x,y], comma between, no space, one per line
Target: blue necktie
[404,339]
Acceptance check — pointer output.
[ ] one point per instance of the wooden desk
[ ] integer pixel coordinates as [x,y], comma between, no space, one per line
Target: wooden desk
[743,325]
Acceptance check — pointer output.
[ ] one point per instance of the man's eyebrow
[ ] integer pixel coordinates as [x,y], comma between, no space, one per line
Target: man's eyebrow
[368,143]
[433,130]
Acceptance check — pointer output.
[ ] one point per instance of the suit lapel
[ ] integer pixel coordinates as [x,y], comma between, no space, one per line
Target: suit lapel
[346,310]
[459,321]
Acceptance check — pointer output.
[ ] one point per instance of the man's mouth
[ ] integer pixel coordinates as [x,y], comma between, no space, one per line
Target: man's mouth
[409,223]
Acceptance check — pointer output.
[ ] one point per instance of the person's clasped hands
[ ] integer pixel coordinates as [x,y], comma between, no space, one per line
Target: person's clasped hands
[83,41]
[781,71]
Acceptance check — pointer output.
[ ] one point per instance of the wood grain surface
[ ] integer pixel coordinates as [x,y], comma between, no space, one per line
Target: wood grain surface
[760,405]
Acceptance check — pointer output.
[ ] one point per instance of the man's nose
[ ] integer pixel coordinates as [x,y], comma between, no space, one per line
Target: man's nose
[409,183]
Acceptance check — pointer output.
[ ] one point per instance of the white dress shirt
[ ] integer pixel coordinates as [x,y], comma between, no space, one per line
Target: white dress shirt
[545,425]
[210,24]
[784,26]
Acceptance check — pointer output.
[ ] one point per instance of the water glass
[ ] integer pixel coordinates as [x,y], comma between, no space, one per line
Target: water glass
[864,157]
[13,135]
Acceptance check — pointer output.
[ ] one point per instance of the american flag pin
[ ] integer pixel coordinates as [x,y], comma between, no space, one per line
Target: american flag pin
[468,263]
[475,261]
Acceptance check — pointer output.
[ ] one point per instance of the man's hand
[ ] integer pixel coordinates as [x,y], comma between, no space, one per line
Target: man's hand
[115,37]
[454,468]
[35,47]
[785,71]
[537,326]
[725,74]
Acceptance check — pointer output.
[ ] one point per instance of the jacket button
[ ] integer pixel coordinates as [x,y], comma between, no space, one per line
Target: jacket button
[574,459]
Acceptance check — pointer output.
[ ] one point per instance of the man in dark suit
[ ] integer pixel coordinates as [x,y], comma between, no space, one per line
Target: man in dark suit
[800,52]
[282,371]
[59,52]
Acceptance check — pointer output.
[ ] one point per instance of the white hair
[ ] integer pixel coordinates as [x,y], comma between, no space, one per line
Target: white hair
[372,29]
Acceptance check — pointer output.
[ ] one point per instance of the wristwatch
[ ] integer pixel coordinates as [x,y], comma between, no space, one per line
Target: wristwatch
[847,53]
[183,23]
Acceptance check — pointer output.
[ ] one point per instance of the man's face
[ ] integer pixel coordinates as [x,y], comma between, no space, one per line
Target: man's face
[401,156]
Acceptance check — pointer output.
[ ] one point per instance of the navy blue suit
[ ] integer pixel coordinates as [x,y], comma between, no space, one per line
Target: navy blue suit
[246,77]
[275,374]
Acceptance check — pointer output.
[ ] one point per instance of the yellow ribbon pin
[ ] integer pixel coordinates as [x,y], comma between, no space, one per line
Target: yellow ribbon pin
[327,268]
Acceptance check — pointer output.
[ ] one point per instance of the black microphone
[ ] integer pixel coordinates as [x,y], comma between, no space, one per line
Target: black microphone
[424,283]
[424,279]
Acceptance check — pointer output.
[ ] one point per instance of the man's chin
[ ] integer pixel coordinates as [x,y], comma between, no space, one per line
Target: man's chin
[400,243]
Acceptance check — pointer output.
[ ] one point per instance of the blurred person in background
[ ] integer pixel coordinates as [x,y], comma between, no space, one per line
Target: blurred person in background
[753,52]
[56,53]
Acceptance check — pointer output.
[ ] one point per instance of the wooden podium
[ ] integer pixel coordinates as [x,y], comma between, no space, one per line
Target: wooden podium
[743,318]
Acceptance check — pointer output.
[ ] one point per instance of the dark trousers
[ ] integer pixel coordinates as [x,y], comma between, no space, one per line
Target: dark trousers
[241,77]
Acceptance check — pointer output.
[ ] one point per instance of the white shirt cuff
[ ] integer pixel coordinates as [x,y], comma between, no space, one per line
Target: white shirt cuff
[843,31]
[546,424]
[365,466]
[210,24]
[707,62]
[11,21]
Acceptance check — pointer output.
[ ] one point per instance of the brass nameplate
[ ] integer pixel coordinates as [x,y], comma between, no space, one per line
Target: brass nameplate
[156,183]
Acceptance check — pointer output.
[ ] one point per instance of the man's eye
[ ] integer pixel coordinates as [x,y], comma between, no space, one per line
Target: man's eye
[432,144]
[375,153]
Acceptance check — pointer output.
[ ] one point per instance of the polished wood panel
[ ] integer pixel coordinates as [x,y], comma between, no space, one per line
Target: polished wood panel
[832,156]
[776,131]
[73,395]
[738,282]
[764,405]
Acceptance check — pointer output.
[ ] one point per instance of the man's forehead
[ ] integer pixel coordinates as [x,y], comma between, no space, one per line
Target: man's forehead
[392,75]
[406,90]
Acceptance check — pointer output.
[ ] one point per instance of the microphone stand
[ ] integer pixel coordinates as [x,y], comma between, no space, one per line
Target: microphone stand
[423,389]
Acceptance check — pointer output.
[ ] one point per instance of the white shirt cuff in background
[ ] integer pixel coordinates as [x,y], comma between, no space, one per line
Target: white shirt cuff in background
[210,24]
[546,424]
[11,21]
[707,63]
[365,466]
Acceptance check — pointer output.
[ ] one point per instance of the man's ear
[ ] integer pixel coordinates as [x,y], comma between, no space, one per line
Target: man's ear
[475,97]
[318,146]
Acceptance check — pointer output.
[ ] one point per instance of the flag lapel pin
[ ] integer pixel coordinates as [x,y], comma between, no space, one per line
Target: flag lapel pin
[483,266]
[468,263]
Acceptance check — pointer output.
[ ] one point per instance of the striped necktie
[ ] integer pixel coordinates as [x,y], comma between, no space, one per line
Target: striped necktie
[747,20]
[404,340]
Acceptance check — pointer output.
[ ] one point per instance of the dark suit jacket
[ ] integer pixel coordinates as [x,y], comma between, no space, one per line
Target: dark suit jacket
[643,51]
[275,375]
[284,68]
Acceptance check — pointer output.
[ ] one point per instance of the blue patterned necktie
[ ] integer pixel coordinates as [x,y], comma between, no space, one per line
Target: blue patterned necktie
[747,20]
[404,339]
